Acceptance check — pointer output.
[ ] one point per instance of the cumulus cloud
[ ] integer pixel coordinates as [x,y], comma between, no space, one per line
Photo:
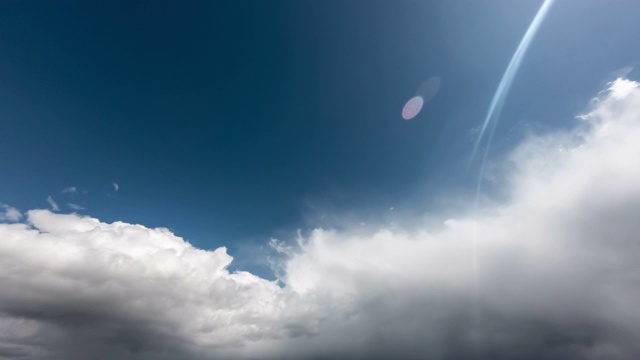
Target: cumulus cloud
[550,273]
[8,213]
[53,204]
[135,291]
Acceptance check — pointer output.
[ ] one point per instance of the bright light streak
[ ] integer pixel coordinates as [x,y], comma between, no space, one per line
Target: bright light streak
[507,79]
[492,118]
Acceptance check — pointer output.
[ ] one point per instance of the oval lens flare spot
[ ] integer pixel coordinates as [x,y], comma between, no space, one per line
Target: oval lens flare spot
[412,108]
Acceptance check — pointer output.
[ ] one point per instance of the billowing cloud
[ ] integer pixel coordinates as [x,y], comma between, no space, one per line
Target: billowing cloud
[550,273]
[134,291]
[8,213]
[52,203]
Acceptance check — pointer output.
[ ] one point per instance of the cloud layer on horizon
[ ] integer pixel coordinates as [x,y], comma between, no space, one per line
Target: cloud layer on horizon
[550,273]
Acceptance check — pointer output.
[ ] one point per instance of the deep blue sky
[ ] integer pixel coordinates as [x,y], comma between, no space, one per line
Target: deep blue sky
[233,121]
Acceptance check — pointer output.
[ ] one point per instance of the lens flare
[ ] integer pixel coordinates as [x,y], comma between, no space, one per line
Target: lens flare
[507,79]
[492,118]
[429,88]
[412,108]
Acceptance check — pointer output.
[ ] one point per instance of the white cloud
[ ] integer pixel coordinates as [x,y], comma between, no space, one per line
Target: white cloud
[9,213]
[105,279]
[116,187]
[557,275]
[620,88]
[70,190]
[53,204]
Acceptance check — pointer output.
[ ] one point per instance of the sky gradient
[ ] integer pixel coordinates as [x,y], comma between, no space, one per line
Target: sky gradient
[236,180]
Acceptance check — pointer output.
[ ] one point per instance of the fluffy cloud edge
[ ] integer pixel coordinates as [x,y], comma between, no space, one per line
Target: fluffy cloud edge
[9,213]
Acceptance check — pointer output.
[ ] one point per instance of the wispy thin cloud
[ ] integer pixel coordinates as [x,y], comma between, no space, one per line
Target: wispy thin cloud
[70,190]
[75,206]
[52,203]
[116,187]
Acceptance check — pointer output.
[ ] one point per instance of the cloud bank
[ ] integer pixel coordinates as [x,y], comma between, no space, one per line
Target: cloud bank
[550,273]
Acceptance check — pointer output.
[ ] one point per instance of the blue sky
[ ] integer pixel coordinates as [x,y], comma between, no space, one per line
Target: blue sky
[234,122]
